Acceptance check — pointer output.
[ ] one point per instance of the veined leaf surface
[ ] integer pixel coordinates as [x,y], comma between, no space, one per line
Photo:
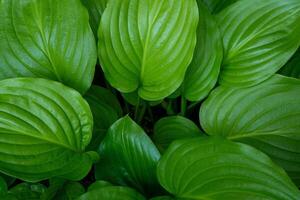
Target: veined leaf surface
[49,39]
[215,6]
[215,168]
[44,129]
[259,37]
[147,45]
[266,116]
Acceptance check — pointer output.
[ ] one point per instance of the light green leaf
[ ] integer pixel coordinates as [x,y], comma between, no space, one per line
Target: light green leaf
[215,6]
[106,110]
[112,193]
[259,37]
[169,129]
[214,168]
[49,39]
[99,184]
[149,50]
[44,129]
[128,157]
[203,72]
[28,191]
[292,68]
[266,116]
[96,9]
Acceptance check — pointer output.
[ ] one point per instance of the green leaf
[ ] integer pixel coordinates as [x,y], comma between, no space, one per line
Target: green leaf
[112,193]
[292,68]
[3,187]
[149,50]
[9,180]
[44,129]
[162,198]
[128,157]
[71,190]
[49,39]
[215,6]
[203,72]
[134,99]
[214,168]
[169,129]
[96,9]
[106,110]
[265,116]
[98,184]
[259,37]
[28,191]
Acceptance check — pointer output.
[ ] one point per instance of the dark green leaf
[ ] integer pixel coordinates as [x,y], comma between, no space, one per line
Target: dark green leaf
[214,168]
[292,68]
[98,184]
[3,187]
[28,191]
[266,116]
[215,6]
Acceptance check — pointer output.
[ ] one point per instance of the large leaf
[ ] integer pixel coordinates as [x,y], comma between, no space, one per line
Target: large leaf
[168,129]
[44,129]
[215,6]
[106,110]
[202,74]
[266,116]
[259,37]
[112,193]
[96,9]
[292,68]
[147,45]
[214,168]
[128,157]
[49,39]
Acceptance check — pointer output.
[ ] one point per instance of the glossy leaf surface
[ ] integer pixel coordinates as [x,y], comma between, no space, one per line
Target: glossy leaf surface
[49,39]
[44,129]
[214,168]
[259,37]
[265,116]
[148,50]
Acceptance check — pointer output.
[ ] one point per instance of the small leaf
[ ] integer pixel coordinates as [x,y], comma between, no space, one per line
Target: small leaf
[44,130]
[128,157]
[265,116]
[28,191]
[169,129]
[292,68]
[112,193]
[259,37]
[49,39]
[214,168]
[106,110]
[215,6]
[148,50]
[203,72]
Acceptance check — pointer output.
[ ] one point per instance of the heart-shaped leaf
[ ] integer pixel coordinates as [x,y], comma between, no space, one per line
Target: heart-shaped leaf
[112,193]
[203,72]
[146,46]
[214,168]
[169,129]
[259,37]
[106,110]
[128,157]
[266,116]
[292,68]
[44,129]
[49,39]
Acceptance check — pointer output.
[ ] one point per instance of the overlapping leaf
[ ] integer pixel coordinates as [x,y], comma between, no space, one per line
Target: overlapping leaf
[49,39]
[214,168]
[259,37]
[292,68]
[266,116]
[215,6]
[202,74]
[128,157]
[147,45]
[44,129]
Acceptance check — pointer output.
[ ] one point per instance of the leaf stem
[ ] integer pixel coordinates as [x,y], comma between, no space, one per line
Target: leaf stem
[183,106]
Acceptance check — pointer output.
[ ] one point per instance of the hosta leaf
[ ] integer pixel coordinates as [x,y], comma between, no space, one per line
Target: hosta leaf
[148,50]
[162,198]
[168,129]
[202,74]
[44,129]
[70,190]
[128,157]
[49,39]
[99,184]
[112,193]
[106,110]
[96,9]
[265,116]
[214,168]
[28,191]
[215,6]
[292,68]
[259,37]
